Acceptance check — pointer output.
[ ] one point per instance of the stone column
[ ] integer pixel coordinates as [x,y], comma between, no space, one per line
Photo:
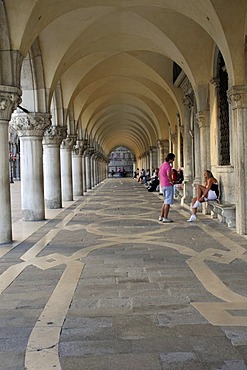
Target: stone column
[9,99]
[96,159]
[174,138]
[66,168]
[77,168]
[88,169]
[30,128]
[188,163]
[153,157]
[203,123]
[197,157]
[215,130]
[52,140]
[163,150]
[84,147]
[93,170]
[238,98]
[84,172]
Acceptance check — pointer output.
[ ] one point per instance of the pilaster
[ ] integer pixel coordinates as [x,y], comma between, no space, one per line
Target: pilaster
[9,99]
[237,96]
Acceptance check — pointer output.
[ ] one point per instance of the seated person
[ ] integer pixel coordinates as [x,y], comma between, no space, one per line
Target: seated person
[154,181]
[180,177]
[142,177]
[136,173]
[179,182]
[208,191]
[174,175]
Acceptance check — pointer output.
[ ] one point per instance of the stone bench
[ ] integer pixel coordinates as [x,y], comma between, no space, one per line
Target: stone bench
[225,212]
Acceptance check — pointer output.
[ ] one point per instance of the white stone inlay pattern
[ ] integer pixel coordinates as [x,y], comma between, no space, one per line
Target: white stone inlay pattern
[42,349]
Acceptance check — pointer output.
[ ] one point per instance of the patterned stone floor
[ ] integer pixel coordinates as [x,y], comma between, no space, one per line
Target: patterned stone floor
[103,285]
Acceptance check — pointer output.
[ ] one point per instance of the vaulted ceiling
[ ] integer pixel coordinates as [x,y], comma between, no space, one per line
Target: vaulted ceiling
[114,59]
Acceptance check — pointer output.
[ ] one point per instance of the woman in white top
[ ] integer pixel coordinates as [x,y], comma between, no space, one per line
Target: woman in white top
[208,191]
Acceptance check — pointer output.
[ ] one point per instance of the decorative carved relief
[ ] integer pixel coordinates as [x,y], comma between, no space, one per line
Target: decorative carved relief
[31,124]
[54,135]
[8,103]
[202,119]
[188,101]
[237,96]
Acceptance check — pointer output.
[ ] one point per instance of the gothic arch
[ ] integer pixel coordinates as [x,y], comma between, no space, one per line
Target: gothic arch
[33,82]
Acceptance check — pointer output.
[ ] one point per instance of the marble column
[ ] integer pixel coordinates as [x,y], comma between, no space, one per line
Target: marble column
[153,157]
[66,168]
[97,174]
[215,134]
[179,133]
[175,148]
[188,163]
[77,168]
[88,169]
[84,148]
[92,164]
[52,140]
[96,169]
[203,123]
[84,172]
[238,103]
[9,99]
[197,157]
[31,128]
[163,149]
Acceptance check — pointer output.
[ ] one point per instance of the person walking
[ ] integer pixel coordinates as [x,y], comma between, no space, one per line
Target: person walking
[166,183]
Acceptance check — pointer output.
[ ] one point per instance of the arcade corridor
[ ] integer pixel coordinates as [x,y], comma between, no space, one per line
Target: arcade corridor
[118,290]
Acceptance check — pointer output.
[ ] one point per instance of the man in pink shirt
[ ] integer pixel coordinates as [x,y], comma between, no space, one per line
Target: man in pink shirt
[166,184]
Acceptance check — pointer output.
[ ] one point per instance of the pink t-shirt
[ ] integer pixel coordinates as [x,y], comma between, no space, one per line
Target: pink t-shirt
[165,168]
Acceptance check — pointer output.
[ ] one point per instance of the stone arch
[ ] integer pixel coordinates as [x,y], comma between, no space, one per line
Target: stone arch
[57,108]
[10,61]
[33,81]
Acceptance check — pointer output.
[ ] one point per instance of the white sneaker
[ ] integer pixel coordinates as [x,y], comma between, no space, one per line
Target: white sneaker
[197,204]
[192,218]
[160,218]
[166,220]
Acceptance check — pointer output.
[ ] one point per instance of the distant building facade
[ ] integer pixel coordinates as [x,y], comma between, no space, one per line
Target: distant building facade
[121,162]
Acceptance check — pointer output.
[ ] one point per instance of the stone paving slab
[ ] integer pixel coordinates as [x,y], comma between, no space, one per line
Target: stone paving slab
[105,285]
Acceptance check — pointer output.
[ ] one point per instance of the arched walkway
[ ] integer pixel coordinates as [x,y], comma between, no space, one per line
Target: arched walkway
[119,289]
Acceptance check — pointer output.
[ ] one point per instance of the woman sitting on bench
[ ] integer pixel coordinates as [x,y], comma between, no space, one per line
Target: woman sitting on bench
[206,192]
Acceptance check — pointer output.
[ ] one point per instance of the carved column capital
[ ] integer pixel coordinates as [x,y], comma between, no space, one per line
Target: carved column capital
[30,124]
[54,135]
[202,119]
[152,149]
[160,143]
[10,98]
[237,96]
[79,147]
[215,82]
[68,142]
[188,101]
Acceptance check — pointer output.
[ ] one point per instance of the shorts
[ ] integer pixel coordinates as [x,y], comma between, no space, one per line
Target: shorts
[210,196]
[168,194]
